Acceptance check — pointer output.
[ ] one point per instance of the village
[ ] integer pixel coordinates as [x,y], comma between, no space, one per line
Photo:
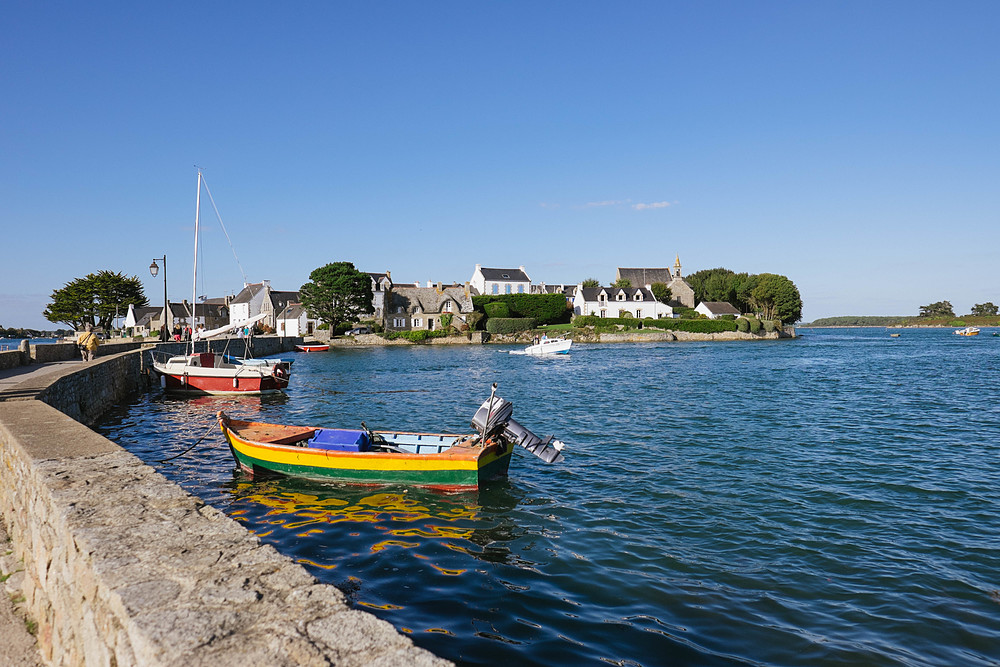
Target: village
[420,307]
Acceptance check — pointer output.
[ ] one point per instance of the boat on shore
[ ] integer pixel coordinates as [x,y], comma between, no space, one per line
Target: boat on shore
[547,346]
[312,347]
[967,331]
[442,461]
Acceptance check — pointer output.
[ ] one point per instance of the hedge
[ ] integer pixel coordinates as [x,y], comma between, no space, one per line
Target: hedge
[742,325]
[510,325]
[417,335]
[668,324]
[754,324]
[496,309]
[545,308]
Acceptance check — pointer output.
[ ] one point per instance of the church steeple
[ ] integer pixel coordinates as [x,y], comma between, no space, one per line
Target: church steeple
[677,266]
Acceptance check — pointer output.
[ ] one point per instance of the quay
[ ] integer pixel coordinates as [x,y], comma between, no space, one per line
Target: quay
[110,563]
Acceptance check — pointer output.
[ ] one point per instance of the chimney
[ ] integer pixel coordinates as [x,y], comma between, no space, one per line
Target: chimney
[439,288]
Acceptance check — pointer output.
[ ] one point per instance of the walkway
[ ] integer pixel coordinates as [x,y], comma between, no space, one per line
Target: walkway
[18,647]
[24,382]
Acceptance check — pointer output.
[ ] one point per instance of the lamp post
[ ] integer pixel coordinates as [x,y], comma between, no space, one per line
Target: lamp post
[153,270]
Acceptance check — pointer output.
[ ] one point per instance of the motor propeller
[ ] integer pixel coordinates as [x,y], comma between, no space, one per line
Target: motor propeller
[493,418]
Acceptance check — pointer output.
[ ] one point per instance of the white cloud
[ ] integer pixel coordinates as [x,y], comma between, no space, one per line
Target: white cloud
[610,202]
[658,204]
[548,205]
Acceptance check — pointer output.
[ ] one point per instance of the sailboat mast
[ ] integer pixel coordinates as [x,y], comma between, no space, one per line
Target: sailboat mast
[194,282]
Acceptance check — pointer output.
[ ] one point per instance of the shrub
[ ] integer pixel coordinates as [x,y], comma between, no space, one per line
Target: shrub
[778,326]
[446,319]
[687,313]
[510,325]
[323,327]
[957,323]
[754,324]
[604,324]
[496,309]
[768,326]
[742,325]
[417,335]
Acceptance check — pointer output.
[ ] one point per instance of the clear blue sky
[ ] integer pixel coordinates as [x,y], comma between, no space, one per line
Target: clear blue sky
[851,146]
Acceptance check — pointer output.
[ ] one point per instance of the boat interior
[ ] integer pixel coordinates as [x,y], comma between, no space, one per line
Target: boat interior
[349,440]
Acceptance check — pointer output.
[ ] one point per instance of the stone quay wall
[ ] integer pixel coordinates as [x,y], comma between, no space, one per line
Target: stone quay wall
[123,567]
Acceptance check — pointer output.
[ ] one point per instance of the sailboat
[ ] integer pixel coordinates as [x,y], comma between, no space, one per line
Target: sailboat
[210,373]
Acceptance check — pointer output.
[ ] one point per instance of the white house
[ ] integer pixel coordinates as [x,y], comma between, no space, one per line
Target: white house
[294,321]
[257,298]
[713,309]
[500,281]
[638,302]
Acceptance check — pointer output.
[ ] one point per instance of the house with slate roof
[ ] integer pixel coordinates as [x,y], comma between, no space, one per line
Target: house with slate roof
[713,309]
[681,293]
[140,320]
[257,298]
[381,286]
[500,281]
[415,308]
[638,302]
[294,321]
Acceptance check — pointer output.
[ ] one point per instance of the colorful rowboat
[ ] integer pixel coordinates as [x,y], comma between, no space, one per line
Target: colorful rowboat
[312,347]
[442,461]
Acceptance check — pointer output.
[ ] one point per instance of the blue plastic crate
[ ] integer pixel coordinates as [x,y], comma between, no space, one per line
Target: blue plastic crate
[339,439]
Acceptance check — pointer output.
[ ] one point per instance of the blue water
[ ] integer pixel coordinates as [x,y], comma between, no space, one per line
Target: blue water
[824,501]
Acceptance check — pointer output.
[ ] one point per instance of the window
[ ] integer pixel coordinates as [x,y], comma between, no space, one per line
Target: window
[638,313]
[446,306]
[603,298]
[604,313]
[417,322]
[520,289]
[496,288]
[620,296]
[505,276]
[638,296]
[398,322]
[506,289]
[416,309]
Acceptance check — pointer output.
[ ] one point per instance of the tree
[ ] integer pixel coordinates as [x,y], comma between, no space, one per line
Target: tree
[622,282]
[591,282]
[95,299]
[776,297]
[337,293]
[984,309]
[723,285]
[938,309]
[661,292]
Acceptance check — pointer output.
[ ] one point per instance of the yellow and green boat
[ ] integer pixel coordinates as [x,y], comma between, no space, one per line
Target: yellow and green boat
[448,462]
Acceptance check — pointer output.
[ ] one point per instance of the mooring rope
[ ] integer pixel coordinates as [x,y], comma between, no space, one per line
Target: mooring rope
[196,443]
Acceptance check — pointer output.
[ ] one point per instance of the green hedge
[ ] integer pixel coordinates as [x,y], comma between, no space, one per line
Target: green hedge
[510,325]
[754,324]
[742,325]
[603,324]
[545,308]
[496,309]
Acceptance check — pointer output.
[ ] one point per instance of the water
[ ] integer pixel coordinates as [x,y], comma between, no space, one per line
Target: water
[825,501]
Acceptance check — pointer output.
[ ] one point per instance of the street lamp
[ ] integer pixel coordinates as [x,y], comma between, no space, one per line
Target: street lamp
[153,270]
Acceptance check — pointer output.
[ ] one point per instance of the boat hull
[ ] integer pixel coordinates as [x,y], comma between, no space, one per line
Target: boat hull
[312,348]
[187,375]
[458,468]
[557,346]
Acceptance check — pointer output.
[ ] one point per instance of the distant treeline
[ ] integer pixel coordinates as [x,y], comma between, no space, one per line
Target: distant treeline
[860,321]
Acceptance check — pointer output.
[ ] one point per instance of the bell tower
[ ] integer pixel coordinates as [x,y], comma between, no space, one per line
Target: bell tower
[677,267]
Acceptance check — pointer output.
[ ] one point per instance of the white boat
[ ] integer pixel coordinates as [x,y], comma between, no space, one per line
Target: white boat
[967,331]
[547,346]
[210,373]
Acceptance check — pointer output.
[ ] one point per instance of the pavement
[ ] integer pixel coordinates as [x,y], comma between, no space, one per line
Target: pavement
[23,383]
[18,647]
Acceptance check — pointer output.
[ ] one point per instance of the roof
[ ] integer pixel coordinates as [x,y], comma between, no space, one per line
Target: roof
[429,299]
[281,299]
[292,311]
[642,277]
[247,293]
[501,275]
[183,309]
[720,308]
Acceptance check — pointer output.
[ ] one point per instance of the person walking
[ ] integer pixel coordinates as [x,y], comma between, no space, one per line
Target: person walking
[88,343]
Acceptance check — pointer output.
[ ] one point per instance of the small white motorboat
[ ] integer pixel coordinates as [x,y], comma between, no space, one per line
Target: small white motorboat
[967,331]
[547,346]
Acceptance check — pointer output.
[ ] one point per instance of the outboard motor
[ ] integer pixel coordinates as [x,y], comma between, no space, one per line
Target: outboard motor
[493,418]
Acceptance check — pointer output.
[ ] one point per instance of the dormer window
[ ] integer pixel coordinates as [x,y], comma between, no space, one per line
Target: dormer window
[416,310]
[505,276]
[620,296]
[638,296]
[446,306]
[603,298]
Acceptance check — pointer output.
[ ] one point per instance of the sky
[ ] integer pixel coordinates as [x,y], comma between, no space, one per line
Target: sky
[851,146]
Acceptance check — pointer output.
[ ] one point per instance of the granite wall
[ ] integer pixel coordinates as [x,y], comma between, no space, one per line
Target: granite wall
[123,567]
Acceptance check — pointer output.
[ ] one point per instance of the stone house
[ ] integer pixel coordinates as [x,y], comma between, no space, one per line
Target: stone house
[638,302]
[713,309]
[681,293]
[381,287]
[141,320]
[500,281]
[415,308]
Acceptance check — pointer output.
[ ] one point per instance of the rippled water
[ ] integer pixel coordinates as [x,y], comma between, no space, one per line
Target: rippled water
[824,501]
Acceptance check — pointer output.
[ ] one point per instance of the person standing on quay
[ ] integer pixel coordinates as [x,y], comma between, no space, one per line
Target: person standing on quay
[88,343]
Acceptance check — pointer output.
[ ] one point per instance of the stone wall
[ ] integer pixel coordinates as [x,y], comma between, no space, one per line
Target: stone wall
[123,567]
